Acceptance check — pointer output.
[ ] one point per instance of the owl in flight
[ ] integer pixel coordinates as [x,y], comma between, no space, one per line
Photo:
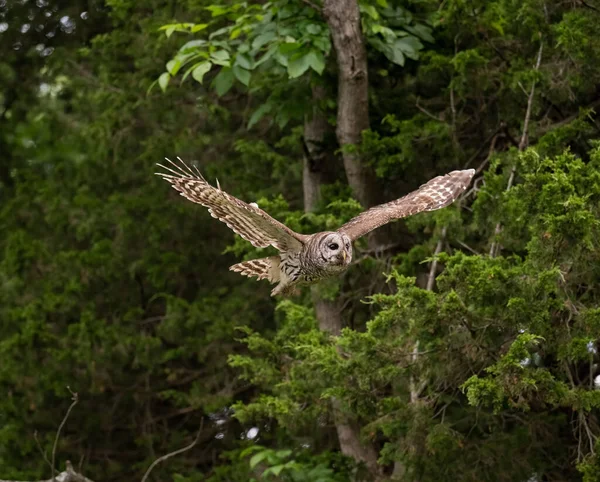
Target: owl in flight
[305,258]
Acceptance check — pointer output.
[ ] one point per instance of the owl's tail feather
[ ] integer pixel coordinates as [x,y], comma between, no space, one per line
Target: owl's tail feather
[263,268]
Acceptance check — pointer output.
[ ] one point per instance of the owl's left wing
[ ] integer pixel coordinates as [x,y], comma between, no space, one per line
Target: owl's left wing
[247,220]
[439,192]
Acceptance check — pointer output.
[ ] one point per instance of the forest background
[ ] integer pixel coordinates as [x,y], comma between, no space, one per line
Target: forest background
[460,345]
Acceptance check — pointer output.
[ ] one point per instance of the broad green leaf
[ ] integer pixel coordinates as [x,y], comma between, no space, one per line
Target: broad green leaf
[370,10]
[235,33]
[409,46]
[298,66]
[268,54]
[241,74]
[173,66]
[200,70]
[316,61]
[192,44]
[258,458]
[220,55]
[313,29]
[275,470]
[217,10]
[163,80]
[387,32]
[169,31]
[243,60]
[289,47]
[263,39]
[259,113]
[421,31]
[223,81]
[199,27]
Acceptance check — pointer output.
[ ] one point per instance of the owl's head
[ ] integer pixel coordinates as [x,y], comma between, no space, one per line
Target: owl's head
[335,250]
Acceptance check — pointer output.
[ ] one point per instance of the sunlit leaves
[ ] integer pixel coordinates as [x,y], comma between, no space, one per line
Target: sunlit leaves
[200,70]
[163,80]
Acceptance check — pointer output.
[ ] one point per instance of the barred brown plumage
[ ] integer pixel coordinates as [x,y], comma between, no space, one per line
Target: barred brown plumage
[305,258]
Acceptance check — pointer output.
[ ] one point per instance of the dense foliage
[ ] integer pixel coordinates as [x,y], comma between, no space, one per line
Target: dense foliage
[113,286]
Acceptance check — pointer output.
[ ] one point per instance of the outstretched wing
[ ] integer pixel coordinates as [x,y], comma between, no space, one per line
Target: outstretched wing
[247,220]
[439,192]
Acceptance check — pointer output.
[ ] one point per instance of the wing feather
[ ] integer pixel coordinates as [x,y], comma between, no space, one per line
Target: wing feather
[439,192]
[249,221]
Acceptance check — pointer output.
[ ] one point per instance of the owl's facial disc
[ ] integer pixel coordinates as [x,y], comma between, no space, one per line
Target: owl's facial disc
[336,249]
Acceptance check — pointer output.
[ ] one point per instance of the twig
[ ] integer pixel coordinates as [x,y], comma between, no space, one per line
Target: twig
[495,247]
[176,452]
[434,263]
[60,427]
[42,451]
[427,113]
[313,5]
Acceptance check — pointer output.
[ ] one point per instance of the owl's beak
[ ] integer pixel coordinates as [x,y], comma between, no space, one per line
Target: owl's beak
[344,255]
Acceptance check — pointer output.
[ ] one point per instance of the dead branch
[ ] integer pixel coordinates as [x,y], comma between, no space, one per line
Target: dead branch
[176,452]
[75,399]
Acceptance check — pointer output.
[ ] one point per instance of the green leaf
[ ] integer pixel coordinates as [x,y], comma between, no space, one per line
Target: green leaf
[263,39]
[370,10]
[223,81]
[258,458]
[243,60]
[298,66]
[289,47]
[241,74]
[409,46]
[169,30]
[199,27]
[421,31]
[200,70]
[316,60]
[313,29]
[220,55]
[259,114]
[192,44]
[163,80]
[275,470]
[267,55]
[173,66]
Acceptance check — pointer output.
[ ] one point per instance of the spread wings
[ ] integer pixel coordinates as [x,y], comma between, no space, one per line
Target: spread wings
[439,192]
[247,220]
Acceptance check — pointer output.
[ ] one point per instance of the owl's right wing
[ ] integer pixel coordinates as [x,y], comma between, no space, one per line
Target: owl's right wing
[439,192]
[247,220]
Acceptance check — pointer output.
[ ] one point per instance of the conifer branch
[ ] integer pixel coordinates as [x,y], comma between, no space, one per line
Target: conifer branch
[495,247]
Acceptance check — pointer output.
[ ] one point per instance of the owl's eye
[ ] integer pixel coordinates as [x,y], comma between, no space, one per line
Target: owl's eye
[333,246]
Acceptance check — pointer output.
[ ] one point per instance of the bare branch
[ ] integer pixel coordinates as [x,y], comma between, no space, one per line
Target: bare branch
[75,399]
[426,112]
[176,452]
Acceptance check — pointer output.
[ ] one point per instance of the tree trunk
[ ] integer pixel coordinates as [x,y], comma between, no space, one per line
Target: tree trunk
[329,312]
[343,18]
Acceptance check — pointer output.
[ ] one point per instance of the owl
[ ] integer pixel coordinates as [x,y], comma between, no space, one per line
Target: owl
[304,258]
